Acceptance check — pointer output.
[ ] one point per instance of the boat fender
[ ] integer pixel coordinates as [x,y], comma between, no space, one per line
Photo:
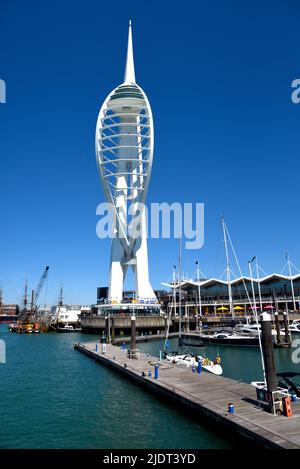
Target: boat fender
[287,409]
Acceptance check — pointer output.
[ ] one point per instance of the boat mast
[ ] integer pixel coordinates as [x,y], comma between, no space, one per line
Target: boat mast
[174,290]
[1,299]
[32,301]
[179,284]
[199,292]
[25,297]
[291,279]
[258,283]
[169,317]
[256,317]
[61,296]
[227,269]
[60,302]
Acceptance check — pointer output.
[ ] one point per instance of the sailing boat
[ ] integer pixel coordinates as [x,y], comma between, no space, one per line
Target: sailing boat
[191,360]
[187,359]
[172,308]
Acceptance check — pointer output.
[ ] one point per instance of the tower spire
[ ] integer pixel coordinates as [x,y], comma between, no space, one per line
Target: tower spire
[129,69]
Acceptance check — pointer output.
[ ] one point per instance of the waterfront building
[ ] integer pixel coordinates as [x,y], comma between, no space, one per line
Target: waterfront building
[9,310]
[274,292]
[68,314]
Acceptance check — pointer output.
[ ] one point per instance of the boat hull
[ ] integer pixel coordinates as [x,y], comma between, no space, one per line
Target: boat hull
[5,318]
[239,342]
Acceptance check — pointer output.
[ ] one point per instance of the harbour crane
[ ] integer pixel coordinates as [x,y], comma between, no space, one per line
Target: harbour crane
[37,291]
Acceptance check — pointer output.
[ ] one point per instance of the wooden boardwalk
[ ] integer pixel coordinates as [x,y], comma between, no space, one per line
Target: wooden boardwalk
[206,394]
[144,338]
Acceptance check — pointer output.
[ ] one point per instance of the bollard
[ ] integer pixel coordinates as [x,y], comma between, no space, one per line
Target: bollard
[112,329]
[133,334]
[156,371]
[150,374]
[107,328]
[231,408]
[268,354]
[123,345]
[194,369]
[199,370]
[294,397]
[277,327]
[104,348]
[286,328]
[96,348]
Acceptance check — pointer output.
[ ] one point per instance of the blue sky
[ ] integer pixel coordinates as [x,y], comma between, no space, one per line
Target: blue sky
[218,76]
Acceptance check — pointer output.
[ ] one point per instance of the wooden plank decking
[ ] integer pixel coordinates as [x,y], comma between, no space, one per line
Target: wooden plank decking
[207,394]
[145,338]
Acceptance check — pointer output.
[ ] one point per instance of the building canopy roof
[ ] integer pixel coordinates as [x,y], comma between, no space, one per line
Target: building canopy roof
[268,279]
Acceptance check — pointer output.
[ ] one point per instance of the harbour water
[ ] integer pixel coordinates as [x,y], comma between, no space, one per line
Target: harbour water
[54,397]
[240,363]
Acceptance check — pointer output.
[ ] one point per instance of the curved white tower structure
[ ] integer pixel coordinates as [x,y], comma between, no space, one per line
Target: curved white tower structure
[124,153]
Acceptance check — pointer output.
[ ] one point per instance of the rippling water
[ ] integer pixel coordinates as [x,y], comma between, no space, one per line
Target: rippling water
[52,396]
[240,363]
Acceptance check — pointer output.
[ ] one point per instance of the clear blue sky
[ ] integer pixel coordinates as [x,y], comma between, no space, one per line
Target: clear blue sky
[218,76]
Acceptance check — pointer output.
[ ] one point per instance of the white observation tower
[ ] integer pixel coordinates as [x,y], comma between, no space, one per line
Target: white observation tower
[124,153]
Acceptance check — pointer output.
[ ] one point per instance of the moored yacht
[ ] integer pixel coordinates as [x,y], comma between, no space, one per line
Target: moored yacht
[294,327]
[190,360]
[68,328]
[252,330]
[224,338]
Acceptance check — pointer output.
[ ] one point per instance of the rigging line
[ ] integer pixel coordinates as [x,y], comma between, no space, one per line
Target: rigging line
[296,268]
[223,274]
[238,265]
[195,274]
[170,309]
[284,267]
[217,255]
[262,270]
